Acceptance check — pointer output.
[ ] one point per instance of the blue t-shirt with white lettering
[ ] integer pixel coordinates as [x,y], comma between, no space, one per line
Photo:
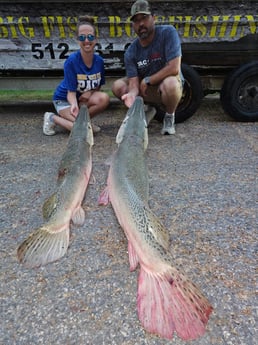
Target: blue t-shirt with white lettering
[78,77]
[145,61]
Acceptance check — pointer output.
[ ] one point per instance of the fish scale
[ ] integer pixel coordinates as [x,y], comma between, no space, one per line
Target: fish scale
[50,241]
[167,301]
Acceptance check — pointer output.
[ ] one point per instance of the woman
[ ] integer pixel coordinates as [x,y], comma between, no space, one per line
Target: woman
[83,77]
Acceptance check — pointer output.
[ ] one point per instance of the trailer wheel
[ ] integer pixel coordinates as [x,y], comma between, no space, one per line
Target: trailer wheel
[191,99]
[239,93]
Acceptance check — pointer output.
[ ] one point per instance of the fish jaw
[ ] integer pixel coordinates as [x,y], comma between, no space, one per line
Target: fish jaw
[134,124]
[82,128]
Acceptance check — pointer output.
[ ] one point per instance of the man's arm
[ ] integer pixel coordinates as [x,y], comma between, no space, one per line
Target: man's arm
[133,91]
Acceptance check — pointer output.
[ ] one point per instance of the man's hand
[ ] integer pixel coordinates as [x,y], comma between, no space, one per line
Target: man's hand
[128,99]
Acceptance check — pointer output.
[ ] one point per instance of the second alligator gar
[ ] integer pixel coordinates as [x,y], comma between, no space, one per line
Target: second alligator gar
[50,242]
[167,300]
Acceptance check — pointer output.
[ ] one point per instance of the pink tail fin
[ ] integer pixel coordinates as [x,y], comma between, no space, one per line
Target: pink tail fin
[168,304]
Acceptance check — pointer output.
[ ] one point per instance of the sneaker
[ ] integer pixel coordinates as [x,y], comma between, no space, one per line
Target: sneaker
[48,125]
[150,112]
[95,128]
[168,125]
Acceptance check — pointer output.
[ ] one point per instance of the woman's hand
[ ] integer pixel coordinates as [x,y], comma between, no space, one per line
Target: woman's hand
[74,109]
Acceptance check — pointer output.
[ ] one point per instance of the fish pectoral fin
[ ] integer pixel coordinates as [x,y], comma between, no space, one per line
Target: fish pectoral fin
[104,197]
[78,216]
[91,179]
[133,257]
[43,246]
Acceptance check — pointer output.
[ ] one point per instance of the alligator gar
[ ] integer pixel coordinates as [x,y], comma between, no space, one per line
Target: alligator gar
[49,242]
[167,301]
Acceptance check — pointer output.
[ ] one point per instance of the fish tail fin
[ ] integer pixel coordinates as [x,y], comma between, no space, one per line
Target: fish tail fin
[171,303]
[43,246]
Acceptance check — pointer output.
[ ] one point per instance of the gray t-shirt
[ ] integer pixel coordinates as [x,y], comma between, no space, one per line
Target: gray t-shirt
[145,61]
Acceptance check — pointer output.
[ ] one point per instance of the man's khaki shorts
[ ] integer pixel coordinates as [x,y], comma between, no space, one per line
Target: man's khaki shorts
[154,94]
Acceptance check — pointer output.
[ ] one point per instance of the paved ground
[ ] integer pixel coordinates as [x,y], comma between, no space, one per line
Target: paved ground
[203,186]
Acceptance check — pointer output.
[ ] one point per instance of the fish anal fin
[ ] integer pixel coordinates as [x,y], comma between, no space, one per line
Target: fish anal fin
[43,246]
[78,216]
[171,303]
[104,197]
[133,258]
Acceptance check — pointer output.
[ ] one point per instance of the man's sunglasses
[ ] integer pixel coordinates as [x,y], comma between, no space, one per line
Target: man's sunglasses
[89,37]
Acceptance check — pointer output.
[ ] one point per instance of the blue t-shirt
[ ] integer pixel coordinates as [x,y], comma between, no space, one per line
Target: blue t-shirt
[145,61]
[78,77]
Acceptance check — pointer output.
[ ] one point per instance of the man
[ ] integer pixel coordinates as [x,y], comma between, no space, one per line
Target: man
[153,66]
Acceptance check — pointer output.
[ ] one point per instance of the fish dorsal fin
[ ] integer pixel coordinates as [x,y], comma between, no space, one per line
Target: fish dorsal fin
[157,229]
[49,206]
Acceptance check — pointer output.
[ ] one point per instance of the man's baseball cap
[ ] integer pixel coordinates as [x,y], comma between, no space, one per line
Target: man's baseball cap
[140,7]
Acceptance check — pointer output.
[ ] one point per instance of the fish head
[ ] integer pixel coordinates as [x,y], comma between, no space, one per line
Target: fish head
[134,124]
[82,126]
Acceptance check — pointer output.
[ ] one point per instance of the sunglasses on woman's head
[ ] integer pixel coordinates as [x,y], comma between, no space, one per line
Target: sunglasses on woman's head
[89,37]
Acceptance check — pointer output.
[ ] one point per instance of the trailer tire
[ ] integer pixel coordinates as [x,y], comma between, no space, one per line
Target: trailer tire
[239,93]
[191,99]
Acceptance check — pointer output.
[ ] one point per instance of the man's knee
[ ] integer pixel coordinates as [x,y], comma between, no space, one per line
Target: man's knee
[172,86]
[119,87]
